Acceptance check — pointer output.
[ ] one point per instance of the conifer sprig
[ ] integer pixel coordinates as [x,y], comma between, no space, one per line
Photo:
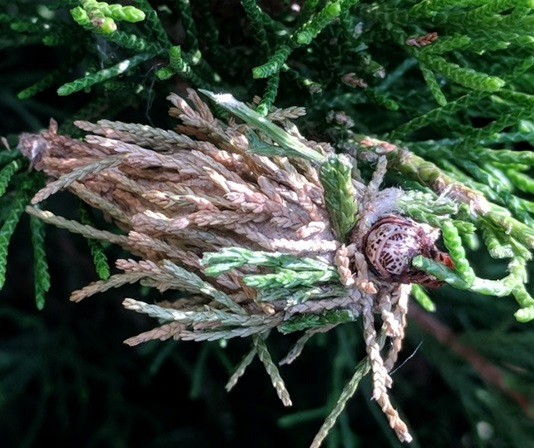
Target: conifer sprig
[6,174]
[96,247]
[10,222]
[41,273]
[103,75]
[290,144]
[446,107]
[340,195]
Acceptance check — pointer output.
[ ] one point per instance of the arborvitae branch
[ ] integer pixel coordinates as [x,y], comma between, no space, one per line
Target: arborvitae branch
[422,298]
[362,369]
[255,15]
[41,273]
[226,259]
[9,225]
[272,370]
[184,8]
[76,227]
[286,141]
[274,64]
[340,197]
[271,90]
[433,86]
[97,249]
[154,23]
[231,188]
[240,369]
[6,173]
[453,242]
[103,75]
[466,77]
[44,83]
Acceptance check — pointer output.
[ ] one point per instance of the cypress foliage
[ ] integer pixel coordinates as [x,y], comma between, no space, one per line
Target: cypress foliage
[420,109]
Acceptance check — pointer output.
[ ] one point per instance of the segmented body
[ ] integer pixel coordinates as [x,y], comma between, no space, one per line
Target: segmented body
[392,243]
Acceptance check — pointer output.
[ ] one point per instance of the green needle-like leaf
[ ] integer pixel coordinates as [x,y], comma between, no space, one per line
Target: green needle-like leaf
[19,202]
[41,273]
[339,194]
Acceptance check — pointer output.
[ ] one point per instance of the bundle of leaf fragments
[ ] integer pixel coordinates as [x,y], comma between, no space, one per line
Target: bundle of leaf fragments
[258,229]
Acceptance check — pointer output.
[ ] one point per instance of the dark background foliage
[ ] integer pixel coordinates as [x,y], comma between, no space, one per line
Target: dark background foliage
[66,378]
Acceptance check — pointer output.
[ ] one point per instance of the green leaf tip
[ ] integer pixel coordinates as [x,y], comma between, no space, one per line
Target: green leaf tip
[311,29]
[453,242]
[41,272]
[524,315]
[6,173]
[301,323]
[11,220]
[422,298]
[103,75]
[466,77]
[274,64]
[292,145]
[340,198]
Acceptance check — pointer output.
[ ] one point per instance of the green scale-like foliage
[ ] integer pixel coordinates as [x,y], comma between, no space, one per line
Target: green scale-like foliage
[450,80]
